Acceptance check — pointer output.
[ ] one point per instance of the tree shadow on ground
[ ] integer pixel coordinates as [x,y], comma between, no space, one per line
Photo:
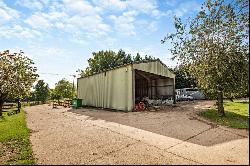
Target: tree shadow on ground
[231,119]
[244,102]
[174,124]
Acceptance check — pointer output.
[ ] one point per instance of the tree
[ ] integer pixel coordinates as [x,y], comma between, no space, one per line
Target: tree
[183,79]
[105,60]
[215,46]
[17,74]
[42,91]
[64,89]
[148,58]
[138,58]
[123,58]
[31,96]
[54,95]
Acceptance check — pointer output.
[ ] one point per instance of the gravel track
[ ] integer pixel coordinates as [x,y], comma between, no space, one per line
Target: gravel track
[84,136]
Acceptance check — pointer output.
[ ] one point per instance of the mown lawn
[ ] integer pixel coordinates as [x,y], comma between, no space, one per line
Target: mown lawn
[237,114]
[15,148]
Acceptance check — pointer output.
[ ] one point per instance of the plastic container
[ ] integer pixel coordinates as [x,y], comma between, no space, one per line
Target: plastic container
[77,103]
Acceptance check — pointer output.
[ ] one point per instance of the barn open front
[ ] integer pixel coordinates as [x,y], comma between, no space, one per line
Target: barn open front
[153,89]
[119,88]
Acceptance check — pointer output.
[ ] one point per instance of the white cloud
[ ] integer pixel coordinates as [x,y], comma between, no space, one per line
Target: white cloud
[78,41]
[84,22]
[109,41]
[124,24]
[56,16]
[17,28]
[171,2]
[56,6]
[147,26]
[7,14]
[59,25]
[153,26]
[93,25]
[30,33]
[4,15]
[38,50]
[112,5]
[141,6]
[90,23]
[185,8]
[17,31]
[32,4]
[157,14]
[131,10]
[145,6]
[38,21]
[71,16]
[79,7]
[85,17]
[45,2]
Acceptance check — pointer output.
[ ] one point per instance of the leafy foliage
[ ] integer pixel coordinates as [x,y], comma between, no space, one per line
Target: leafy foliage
[183,79]
[63,89]
[215,46]
[17,74]
[31,96]
[105,60]
[42,91]
[54,95]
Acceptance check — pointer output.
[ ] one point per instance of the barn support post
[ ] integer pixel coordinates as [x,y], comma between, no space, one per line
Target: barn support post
[151,86]
[156,84]
[174,97]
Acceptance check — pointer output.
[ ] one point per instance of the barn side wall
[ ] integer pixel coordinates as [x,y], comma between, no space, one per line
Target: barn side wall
[111,89]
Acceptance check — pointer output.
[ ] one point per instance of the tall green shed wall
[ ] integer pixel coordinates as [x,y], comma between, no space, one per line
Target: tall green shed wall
[110,89]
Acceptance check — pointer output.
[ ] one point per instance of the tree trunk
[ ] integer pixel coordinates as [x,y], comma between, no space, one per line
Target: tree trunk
[221,111]
[1,106]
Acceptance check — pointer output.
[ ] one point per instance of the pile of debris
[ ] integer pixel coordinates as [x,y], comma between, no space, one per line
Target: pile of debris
[158,102]
[151,104]
[184,97]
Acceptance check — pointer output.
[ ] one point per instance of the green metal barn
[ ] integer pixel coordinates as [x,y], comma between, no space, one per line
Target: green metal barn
[119,87]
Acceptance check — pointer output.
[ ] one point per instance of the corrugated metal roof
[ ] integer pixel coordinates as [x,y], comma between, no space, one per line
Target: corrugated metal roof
[140,62]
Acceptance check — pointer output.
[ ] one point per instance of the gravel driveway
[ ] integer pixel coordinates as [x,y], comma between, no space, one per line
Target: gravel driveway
[174,136]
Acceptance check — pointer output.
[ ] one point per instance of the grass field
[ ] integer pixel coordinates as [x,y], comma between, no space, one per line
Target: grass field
[237,114]
[15,148]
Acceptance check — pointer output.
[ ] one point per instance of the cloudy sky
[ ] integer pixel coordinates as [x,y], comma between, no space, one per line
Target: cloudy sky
[60,35]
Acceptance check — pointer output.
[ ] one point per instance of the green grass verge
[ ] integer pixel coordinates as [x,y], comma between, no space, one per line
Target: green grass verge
[237,114]
[14,140]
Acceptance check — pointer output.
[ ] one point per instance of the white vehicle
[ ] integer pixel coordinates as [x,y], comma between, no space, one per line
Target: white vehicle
[193,92]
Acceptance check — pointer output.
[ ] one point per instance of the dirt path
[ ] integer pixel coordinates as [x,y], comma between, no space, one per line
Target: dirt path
[62,136]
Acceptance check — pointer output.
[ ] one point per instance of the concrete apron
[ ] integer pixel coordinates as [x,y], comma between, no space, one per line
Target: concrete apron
[232,152]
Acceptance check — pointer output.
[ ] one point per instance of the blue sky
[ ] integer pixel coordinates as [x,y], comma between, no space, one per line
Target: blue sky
[60,35]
